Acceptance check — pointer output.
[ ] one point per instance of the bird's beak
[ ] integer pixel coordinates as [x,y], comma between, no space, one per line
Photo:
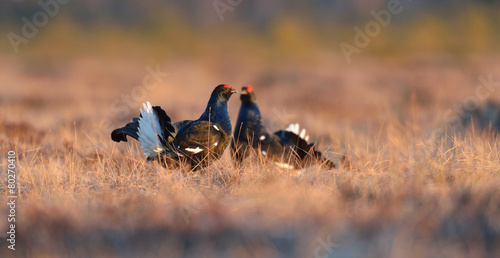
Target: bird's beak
[233,91]
[244,92]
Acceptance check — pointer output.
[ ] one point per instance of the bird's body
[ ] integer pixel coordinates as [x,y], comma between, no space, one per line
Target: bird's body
[194,142]
[250,133]
[287,148]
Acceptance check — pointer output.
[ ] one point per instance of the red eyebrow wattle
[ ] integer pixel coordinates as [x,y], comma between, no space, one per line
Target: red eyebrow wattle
[227,86]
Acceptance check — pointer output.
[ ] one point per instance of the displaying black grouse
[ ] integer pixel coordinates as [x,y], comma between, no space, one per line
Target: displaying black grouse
[192,141]
[287,148]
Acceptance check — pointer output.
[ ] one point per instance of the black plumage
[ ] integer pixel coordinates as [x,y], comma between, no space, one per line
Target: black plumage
[287,148]
[193,142]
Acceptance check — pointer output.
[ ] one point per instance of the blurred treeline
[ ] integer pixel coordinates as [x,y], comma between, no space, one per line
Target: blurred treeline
[260,28]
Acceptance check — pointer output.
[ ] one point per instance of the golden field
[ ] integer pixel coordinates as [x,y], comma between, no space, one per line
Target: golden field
[411,186]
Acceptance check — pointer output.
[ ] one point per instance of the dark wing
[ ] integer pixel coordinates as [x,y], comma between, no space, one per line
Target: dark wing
[201,138]
[269,144]
[130,129]
[303,151]
[291,140]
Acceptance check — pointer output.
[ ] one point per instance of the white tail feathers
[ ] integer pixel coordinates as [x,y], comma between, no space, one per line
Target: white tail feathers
[148,131]
[303,133]
[294,128]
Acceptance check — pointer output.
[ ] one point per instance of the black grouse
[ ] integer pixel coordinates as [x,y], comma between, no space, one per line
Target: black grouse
[194,142]
[287,148]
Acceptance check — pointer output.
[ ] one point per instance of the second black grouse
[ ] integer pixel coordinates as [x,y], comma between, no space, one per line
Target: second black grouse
[287,148]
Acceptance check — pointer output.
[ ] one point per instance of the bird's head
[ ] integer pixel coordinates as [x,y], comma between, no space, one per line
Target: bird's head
[224,91]
[247,95]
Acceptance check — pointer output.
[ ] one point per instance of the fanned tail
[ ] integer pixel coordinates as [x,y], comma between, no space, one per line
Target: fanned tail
[150,132]
[299,140]
[153,129]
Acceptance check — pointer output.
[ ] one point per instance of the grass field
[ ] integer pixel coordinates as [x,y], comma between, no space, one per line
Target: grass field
[401,192]
[411,186]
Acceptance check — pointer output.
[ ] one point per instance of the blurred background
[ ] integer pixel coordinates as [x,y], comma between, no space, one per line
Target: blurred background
[159,29]
[91,56]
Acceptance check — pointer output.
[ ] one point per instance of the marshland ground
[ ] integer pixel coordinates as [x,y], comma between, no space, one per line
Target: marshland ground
[411,184]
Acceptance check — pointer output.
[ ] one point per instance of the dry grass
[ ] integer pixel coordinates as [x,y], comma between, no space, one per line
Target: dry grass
[400,195]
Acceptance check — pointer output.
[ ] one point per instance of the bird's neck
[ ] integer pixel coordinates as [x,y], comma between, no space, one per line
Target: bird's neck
[251,118]
[217,112]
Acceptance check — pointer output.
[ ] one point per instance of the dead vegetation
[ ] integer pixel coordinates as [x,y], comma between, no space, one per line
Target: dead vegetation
[402,193]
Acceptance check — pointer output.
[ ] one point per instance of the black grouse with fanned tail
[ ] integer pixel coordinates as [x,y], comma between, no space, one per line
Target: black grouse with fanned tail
[287,148]
[194,142]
